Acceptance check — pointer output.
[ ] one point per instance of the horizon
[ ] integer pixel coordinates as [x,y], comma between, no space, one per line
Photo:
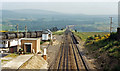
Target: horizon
[59,12]
[87,8]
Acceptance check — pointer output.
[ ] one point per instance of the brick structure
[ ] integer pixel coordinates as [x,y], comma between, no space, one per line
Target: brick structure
[31,45]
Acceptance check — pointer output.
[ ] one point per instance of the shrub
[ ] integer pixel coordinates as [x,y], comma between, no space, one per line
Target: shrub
[96,38]
[116,68]
[41,42]
[113,36]
[116,54]
[90,38]
[111,50]
[99,36]
[95,35]
[102,38]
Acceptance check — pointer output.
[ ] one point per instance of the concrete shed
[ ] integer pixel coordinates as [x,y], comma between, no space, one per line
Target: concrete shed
[46,35]
[31,45]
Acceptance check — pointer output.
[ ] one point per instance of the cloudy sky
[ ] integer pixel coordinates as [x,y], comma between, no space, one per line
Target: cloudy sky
[91,7]
[59,0]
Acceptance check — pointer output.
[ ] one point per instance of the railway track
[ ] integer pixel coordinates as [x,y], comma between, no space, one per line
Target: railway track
[69,57]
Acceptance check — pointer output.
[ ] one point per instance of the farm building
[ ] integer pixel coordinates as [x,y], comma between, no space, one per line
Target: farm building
[46,35]
[30,45]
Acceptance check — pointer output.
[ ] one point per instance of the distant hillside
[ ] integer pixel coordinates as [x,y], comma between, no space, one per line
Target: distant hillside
[43,19]
[27,13]
[35,11]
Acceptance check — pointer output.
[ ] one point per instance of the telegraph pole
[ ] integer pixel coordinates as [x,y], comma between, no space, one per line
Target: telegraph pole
[111,25]
[25,31]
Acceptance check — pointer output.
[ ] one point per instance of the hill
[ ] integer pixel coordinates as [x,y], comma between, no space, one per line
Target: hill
[43,19]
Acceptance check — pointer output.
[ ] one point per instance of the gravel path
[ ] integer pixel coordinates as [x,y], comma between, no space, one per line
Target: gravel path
[53,50]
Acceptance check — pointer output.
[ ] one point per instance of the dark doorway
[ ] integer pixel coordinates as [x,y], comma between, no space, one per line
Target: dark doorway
[28,48]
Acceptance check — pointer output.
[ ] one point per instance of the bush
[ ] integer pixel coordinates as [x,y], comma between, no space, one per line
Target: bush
[41,42]
[90,38]
[99,36]
[95,35]
[116,48]
[96,38]
[111,50]
[113,36]
[116,68]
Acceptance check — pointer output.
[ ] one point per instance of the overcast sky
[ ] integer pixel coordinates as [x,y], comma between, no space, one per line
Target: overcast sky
[65,6]
[91,8]
[59,0]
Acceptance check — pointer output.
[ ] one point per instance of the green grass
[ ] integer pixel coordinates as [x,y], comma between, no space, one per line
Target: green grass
[108,48]
[110,45]
[84,35]
[13,55]
[41,42]
[5,60]
[60,32]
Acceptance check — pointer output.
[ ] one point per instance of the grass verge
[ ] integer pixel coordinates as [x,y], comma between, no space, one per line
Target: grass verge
[85,35]
[60,32]
[13,55]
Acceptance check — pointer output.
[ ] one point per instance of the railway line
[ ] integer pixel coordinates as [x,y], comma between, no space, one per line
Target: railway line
[69,57]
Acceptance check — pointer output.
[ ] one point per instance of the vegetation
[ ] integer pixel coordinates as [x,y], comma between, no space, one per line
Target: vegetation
[60,32]
[13,55]
[45,20]
[104,43]
[5,60]
[106,46]
[85,35]
[41,42]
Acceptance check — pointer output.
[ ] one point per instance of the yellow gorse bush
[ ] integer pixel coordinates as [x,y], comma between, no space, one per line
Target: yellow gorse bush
[108,35]
[88,36]
[96,38]
[102,38]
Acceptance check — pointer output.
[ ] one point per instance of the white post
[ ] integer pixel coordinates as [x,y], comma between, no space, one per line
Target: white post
[44,51]
[44,55]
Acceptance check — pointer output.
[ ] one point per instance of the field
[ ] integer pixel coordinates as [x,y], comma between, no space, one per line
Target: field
[85,35]
[60,32]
